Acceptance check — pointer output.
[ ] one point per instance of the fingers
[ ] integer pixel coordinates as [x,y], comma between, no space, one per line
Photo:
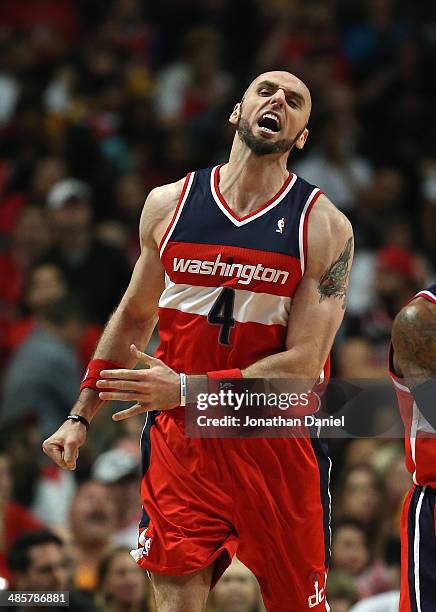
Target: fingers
[132,411]
[123,396]
[63,457]
[123,385]
[54,451]
[70,454]
[126,374]
[143,357]
[122,374]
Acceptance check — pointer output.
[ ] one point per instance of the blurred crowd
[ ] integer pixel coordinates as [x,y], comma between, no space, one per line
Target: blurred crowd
[100,102]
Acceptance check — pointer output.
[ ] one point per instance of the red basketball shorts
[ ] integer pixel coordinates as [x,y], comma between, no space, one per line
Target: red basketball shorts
[265,499]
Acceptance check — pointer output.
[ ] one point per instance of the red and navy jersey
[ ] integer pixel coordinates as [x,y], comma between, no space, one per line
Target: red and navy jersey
[420,436]
[229,280]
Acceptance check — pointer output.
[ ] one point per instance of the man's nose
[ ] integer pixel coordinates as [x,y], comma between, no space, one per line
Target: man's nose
[279,97]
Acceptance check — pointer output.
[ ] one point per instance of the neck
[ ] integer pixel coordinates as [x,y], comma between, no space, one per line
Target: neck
[89,553]
[250,180]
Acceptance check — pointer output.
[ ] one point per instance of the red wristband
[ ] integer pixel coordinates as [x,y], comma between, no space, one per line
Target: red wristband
[92,374]
[235,373]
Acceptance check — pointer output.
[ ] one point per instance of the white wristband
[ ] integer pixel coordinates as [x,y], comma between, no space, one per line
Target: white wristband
[183,389]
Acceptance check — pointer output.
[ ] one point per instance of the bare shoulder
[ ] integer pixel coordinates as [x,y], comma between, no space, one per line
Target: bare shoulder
[328,225]
[158,210]
[414,338]
[330,235]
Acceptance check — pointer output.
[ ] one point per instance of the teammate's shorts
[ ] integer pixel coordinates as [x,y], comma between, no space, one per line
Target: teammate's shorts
[265,499]
[418,551]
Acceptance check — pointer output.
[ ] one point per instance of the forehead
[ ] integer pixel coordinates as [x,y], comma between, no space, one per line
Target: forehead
[41,553]
[281,79]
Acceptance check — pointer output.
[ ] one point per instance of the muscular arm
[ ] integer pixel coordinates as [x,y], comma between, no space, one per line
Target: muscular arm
[319,302]
[131,323]
[414,341]
[135,318]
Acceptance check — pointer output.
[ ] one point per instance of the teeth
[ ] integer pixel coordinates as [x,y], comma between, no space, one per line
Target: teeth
[271,116]
[265,129]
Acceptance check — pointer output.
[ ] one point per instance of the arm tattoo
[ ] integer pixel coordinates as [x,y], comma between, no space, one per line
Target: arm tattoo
[333,283]
[414,339]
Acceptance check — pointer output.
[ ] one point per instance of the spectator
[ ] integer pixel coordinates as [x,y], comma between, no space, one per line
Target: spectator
[341,591]
[92,523]
[119,470]
[350,547]
[29,242]
[387,602]
[428,215]
[359,496]
[14,518]
[351,554]
[197,84]
[44,374]
[45,284]
[97,273]
[37,562]
[364,354]
[122,585]
[335,167]
[237,591]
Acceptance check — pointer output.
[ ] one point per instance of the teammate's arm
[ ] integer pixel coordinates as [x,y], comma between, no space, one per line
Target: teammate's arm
[131,324]
[414,355]
[414,341]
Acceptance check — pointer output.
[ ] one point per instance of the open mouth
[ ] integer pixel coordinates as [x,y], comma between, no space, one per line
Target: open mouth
[270,123]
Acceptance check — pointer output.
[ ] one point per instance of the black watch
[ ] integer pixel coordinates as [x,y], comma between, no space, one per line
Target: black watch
[79,419]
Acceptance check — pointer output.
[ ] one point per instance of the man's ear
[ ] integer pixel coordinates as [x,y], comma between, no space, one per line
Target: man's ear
[301,140]
[233,119]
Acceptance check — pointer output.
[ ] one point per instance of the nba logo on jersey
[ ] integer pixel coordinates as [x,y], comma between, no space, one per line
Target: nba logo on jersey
[281,225]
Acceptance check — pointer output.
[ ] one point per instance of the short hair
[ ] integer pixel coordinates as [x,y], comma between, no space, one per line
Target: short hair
[106,560]
[18,557]
[352,523]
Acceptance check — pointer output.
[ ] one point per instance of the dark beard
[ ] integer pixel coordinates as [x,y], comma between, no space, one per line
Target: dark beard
[260,146]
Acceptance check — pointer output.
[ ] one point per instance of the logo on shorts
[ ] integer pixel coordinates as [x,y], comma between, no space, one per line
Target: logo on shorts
[145,541]
[281,225]
[319,595]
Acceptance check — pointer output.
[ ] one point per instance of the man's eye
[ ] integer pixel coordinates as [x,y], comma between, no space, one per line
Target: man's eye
[264,92]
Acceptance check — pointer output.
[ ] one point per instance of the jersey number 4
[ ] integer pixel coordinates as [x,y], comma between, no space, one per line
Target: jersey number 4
[221,314]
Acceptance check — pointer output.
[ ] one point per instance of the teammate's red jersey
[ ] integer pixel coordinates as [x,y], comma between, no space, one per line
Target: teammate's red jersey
[420,437]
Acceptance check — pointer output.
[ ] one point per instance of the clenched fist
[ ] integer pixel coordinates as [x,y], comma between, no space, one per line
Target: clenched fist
[63,446]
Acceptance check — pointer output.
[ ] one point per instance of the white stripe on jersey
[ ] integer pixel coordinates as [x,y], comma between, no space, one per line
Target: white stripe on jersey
[427,293]
[179,212]
[301,228]
[416,550]
[249,307]
[237,222]
[413,427]
[399,385]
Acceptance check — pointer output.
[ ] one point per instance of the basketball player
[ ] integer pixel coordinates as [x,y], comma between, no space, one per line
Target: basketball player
[412,364]
[247,267]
